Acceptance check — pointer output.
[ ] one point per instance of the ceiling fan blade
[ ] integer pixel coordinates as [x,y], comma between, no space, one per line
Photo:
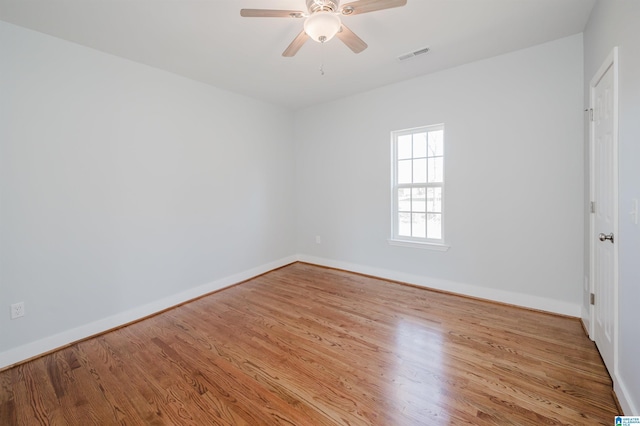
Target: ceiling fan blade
[295,45]
[365,6]
[352,41]
[270,13]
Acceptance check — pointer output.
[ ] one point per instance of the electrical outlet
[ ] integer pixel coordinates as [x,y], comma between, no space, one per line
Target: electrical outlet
[318,239]
[17,310]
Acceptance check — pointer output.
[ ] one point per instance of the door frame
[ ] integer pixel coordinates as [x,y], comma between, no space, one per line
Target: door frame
[610,62]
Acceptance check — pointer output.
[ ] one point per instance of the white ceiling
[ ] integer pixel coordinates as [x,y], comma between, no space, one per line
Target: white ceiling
[207,40]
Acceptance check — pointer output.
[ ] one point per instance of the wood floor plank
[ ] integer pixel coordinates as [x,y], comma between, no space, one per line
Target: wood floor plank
[109,372]
[8,415]
[305,345]
[37,392]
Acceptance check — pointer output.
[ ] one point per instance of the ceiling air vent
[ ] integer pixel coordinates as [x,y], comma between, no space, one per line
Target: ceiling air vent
[413,54]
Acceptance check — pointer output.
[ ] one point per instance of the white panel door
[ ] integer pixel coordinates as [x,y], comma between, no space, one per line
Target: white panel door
[604,189]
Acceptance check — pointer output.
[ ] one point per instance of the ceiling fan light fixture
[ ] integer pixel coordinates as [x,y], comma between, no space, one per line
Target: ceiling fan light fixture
[322,26]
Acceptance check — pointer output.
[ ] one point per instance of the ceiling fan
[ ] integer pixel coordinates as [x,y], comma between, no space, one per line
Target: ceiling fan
[322,21]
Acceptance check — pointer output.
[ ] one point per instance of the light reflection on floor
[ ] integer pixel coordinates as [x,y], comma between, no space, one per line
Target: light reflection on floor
[418,358]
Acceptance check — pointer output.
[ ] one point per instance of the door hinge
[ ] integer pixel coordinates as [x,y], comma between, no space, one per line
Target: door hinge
[592,299]
[593,207]
[591,114]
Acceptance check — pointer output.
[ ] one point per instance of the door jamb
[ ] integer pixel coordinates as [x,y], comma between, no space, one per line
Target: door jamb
[610,62]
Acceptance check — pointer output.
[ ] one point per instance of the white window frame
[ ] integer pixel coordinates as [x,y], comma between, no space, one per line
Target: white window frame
[409,241]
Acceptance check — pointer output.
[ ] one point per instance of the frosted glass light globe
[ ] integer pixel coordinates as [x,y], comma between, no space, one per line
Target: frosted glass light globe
[322,26]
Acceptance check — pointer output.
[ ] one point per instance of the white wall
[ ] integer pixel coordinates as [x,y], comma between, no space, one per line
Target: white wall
[615,23]
[125,189]
[514,178]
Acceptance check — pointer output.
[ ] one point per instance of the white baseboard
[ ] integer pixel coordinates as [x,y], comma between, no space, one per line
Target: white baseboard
[586,321]
[518,299]
[47,344]
[625,399]
[39,347]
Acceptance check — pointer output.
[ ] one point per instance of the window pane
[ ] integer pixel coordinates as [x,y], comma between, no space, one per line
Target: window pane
[420,171]
[419,145]
[434,200]
[404,171]
[404,147]
[418,225]
[434,226]
[418,200]
[436,142]
[418,163]
[404,224]
[436,172]
[404,199]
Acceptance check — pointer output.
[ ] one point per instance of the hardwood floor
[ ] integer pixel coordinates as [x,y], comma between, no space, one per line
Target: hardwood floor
[304,345]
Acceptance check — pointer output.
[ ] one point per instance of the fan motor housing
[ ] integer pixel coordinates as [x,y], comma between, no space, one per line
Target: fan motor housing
[322,6]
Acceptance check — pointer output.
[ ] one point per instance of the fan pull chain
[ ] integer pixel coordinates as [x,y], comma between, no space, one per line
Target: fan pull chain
[322,40]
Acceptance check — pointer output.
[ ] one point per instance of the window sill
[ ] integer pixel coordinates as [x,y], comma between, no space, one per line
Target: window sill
[415,244]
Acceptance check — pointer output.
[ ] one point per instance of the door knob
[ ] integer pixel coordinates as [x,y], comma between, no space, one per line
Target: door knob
[604,237]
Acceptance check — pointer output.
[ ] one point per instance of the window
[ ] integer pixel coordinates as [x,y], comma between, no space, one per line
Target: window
[418,186]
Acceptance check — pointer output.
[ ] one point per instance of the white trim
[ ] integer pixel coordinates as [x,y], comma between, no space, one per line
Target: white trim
[610,61]
[419,245]
[512,298]
[50,343]
[47,344]
[586,309]
[624,397]
[395,186]
[586,320]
